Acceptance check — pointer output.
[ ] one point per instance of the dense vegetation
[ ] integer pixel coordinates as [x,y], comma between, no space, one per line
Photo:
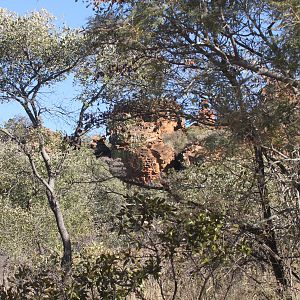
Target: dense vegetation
[225,226]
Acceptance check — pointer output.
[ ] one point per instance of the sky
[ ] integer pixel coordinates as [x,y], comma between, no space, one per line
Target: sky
[73,14]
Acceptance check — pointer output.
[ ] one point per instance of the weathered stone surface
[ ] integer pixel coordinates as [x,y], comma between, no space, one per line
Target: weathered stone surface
[150,137]
[138,138]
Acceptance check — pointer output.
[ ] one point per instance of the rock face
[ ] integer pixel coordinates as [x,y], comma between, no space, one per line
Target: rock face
[137,137]
[149,137]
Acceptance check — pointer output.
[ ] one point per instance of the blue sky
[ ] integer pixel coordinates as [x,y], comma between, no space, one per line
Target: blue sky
[73,14]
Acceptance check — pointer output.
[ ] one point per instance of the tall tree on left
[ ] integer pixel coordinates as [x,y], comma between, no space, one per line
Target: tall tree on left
[34,55]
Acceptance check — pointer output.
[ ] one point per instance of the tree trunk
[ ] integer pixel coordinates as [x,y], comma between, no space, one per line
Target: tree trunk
[53,202]
[270,240]
[4,271]
[66,261]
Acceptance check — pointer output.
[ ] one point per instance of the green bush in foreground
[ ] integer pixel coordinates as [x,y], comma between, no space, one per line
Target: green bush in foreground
[110,276]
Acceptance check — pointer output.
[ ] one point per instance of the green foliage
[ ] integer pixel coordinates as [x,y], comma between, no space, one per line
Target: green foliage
[235,210]
[169,228]
[88,196]
[178,140]
[34,53]
[215,51]
[110,276]
[291,25]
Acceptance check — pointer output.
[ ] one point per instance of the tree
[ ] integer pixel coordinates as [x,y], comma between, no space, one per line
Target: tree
[239,56]
[34,55]
[239,207]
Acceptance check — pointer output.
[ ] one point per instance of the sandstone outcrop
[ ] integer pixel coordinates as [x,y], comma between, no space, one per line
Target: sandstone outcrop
[136,136]
[150,137]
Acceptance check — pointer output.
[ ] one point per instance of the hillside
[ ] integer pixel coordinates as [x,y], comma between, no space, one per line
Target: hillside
[180,179]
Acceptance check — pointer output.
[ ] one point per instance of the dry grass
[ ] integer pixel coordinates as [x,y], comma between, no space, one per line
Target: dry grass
[238,285]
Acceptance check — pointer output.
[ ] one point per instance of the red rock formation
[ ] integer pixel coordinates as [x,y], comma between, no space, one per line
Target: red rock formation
[150,136]
[136,135]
